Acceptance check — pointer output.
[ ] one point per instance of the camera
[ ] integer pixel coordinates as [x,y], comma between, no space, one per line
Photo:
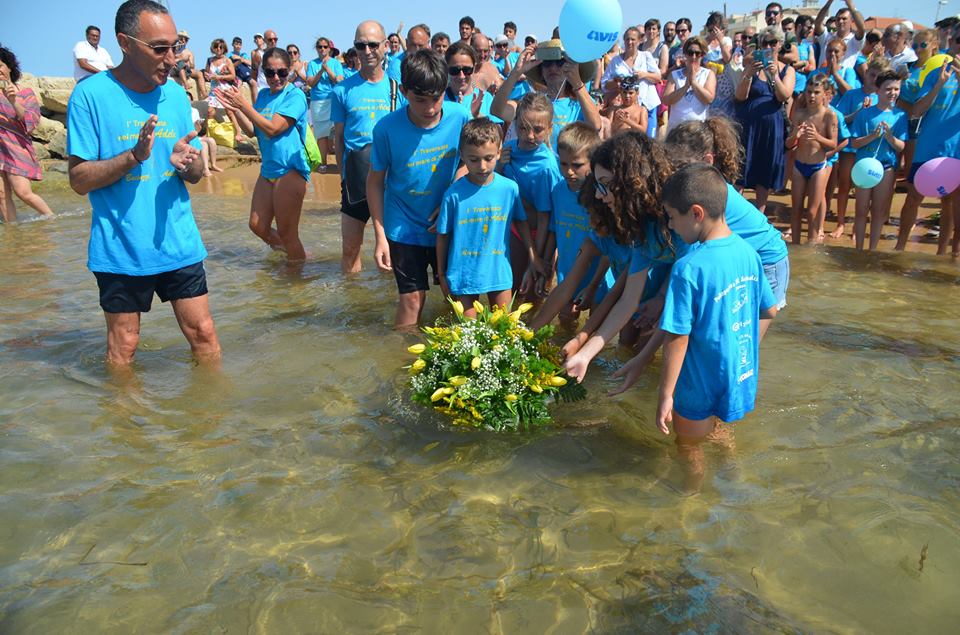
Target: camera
[549,53]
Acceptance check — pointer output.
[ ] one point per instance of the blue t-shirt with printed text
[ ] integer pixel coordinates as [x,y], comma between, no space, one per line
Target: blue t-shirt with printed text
[939,134]
[142,224]
[283,152]
[565,111]
[324,87]
[420,164]
[715,295]
[478,219]
[849,103]
[535,171]
[866,123]
[847,73]
[570,223]
[486,99]
[393,65]
[804,51]
[359,105]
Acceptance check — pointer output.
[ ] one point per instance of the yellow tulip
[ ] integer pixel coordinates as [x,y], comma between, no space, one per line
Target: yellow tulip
[417,366]
[477,306]
[457,306]
[526,306]
[416,349]
[558,381]
[459,380]
[526,334]
[496,316]
[475,363]
[510,397]
[438,394]
[536,388]
[515,316]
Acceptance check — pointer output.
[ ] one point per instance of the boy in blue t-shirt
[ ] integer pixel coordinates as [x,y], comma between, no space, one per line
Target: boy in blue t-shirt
[878,131]
[570,225]
[716,297]
[413,161]
[473,242]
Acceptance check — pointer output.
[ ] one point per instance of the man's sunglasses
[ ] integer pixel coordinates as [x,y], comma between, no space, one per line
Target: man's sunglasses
[455,71]
[363,46]
[280,72]
[161,49]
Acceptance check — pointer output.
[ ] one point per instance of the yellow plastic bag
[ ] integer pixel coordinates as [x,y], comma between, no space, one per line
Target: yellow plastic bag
[222,132]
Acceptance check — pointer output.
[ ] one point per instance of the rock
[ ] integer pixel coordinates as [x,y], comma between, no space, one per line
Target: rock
[41,151]
[53,135]
[249,146]
[29,81]
[59,167]
[55,100]
[56,83]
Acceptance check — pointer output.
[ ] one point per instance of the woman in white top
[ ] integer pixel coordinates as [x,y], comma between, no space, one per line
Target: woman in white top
[643,66]
[220,71]
[655,46]
[688,98]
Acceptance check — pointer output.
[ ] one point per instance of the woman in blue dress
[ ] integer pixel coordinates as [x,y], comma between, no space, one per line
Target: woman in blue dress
[765,86]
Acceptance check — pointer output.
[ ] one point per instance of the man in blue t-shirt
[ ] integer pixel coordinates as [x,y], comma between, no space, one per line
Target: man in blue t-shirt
[358,103]
[132,145]
[414,160]
[716,297]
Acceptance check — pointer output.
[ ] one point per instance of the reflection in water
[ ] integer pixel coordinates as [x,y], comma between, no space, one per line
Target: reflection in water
[300,491]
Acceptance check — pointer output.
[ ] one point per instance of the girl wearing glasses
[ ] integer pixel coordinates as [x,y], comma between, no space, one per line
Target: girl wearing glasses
[765,86]
[690,90]
[279,119]
[461,62]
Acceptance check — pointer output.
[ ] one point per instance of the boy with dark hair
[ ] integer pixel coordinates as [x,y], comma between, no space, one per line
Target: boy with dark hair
[414,158]
[510,32]
[467,27]
[880,132]
[716,297]
[473,242]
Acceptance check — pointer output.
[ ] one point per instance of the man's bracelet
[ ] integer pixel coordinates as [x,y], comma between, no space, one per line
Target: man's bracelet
[139,162]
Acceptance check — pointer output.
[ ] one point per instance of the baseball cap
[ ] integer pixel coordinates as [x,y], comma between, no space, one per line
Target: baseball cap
[183,34]
[256,35]
[501,39]
[530,38]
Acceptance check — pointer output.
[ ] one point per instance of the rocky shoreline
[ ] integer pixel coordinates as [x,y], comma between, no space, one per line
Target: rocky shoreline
[50,135]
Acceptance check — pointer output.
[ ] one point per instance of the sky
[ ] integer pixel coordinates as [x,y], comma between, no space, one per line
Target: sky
[43,40]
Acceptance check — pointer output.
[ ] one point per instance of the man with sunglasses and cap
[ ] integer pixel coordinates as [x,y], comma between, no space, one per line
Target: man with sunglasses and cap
[132,147]
[850,29]
[358,103]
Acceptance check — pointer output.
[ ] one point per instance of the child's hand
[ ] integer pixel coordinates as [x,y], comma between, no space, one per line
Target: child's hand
[576,367]
[648,313]
[631,372]
[444,286]
[527,60]
[665,413]
[570,348]
[381,256]
[946,72]
[432,219]
[584,299]
[541,287]
[529,281]
[505,154]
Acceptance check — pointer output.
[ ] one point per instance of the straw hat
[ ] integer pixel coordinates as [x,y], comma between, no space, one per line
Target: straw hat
[587,70]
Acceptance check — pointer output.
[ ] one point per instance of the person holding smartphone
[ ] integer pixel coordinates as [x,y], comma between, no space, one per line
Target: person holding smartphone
[765,86]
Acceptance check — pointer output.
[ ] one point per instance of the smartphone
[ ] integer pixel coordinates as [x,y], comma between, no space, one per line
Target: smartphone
[766,56]
[549,53]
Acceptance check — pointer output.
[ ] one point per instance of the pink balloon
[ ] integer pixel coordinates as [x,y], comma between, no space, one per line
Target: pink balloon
[938,177]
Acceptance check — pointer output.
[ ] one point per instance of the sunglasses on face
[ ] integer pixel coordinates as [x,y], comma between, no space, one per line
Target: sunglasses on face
[602,189]
[269,73]
[767,43]
[161,50]
[694,53]
[363,46]
[773,12]
[456,71]
[271,39]
[683,30]
[293,52]
[322,47]
[551,63]
[502,46]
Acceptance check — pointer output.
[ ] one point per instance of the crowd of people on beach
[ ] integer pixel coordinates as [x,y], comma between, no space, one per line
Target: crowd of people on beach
[611,187]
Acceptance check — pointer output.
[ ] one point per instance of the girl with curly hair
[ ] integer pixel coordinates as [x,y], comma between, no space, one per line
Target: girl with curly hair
[623,200]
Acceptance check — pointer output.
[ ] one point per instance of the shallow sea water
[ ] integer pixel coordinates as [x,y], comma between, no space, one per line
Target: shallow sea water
[299,490]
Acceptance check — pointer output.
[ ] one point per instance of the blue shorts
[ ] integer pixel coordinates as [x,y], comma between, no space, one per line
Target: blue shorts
[778,275]
[120,293]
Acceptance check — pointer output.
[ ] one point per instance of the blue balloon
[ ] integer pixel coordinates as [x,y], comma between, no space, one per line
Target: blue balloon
[588,28]
[867,173]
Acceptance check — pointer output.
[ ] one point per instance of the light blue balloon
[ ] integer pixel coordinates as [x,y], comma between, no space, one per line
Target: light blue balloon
[867,172]
[588,28]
